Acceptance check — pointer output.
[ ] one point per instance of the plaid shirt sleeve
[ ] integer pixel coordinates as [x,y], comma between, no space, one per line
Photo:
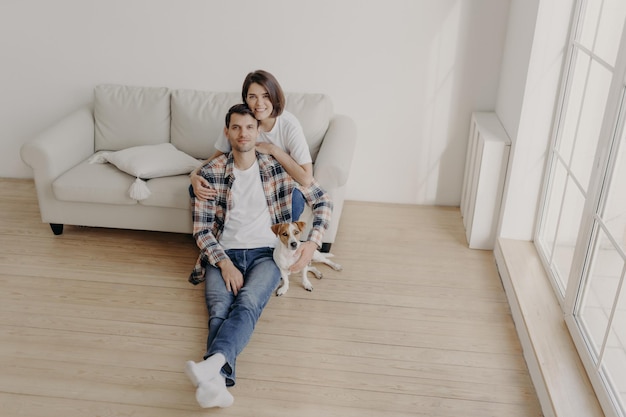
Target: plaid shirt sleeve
[279,187]
[209,217]
[322,208]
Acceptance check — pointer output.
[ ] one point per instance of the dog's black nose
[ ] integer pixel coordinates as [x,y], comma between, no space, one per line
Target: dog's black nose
[294,244]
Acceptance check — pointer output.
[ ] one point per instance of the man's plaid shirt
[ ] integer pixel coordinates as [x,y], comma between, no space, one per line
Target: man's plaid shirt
[210,216]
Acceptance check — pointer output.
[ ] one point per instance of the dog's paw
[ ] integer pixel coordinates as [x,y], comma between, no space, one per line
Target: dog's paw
[334,265]
[281,291]
[316,272]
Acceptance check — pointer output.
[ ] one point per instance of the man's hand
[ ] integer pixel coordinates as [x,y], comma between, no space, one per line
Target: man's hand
[231,275]
[201,187]
[305,251]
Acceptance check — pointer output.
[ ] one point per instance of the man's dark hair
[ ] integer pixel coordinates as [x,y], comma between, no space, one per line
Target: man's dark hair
[239,109]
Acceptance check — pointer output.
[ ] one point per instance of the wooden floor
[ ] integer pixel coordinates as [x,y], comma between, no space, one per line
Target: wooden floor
[99,322]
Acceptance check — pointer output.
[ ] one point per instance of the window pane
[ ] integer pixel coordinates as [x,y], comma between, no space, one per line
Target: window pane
[547,234]
[590,23]
[610,282]
[614,214]
[567,234]
[604,276]
[569,123]
[601,291]
[609,30]
[614,363]
[590,122]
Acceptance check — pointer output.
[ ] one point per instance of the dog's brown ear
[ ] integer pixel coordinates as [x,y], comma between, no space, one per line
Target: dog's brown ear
[301,225]
[275,228]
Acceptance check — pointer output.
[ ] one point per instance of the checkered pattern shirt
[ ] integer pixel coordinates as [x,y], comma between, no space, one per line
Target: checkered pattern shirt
[210,216]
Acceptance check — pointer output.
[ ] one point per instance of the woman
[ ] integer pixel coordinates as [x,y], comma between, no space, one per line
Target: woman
[280,135]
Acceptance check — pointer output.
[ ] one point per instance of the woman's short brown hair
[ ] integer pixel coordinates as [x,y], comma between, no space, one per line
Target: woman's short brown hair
[269,82]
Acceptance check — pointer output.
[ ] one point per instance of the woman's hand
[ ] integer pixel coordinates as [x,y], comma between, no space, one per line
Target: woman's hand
[201,187]
[303,174]
[265,147]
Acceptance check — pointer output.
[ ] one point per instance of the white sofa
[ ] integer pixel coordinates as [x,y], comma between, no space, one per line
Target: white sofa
[73,191]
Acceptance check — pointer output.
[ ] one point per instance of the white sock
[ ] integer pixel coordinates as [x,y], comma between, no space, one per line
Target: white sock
[214,393]
[206,370]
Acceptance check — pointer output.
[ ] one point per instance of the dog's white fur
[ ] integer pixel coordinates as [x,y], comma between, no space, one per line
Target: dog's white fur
[284,255]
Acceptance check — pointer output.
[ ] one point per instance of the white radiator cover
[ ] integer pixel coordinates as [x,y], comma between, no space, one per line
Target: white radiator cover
[483,184]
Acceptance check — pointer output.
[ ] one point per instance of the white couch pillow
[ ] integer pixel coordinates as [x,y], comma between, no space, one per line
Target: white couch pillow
[148,161]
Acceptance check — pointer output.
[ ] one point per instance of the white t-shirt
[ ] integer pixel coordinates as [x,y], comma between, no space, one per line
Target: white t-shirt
[248,224]
[287,134]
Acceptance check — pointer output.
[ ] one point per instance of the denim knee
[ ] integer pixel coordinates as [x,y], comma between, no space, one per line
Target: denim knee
[297,204]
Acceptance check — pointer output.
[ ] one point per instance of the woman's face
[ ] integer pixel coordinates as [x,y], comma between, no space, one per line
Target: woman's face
[258,99]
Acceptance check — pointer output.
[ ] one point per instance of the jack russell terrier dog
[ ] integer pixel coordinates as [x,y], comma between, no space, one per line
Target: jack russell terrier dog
[284,255]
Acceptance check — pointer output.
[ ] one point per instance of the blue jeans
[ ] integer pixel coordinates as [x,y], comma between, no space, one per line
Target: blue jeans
[232,318]
[297,204]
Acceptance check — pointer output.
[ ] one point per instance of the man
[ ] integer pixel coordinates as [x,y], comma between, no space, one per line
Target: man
[233,232]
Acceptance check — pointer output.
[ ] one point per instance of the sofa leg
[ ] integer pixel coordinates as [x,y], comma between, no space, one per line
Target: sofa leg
[57,228]
[325,247]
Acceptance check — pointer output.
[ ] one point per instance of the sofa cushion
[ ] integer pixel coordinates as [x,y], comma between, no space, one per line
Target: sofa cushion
[171,192]
[198,120]
[94,183]
[314,112]
[130,116]
[149,161]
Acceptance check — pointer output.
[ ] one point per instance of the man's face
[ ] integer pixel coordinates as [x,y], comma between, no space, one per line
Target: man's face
[242,132]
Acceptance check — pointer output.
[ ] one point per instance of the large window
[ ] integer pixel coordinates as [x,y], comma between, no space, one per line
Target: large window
[581,235]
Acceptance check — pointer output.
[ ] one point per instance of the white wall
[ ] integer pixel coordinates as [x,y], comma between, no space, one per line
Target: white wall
[409,72]
[529,85]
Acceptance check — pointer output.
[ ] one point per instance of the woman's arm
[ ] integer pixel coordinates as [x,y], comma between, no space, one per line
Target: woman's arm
[303,174]
[322,207]
[200,185]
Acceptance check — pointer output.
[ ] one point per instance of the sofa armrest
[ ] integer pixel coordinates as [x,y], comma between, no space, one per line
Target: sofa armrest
[61,146]
[333,162]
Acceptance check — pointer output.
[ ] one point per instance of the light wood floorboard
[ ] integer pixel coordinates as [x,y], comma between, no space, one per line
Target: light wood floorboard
[99,322]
